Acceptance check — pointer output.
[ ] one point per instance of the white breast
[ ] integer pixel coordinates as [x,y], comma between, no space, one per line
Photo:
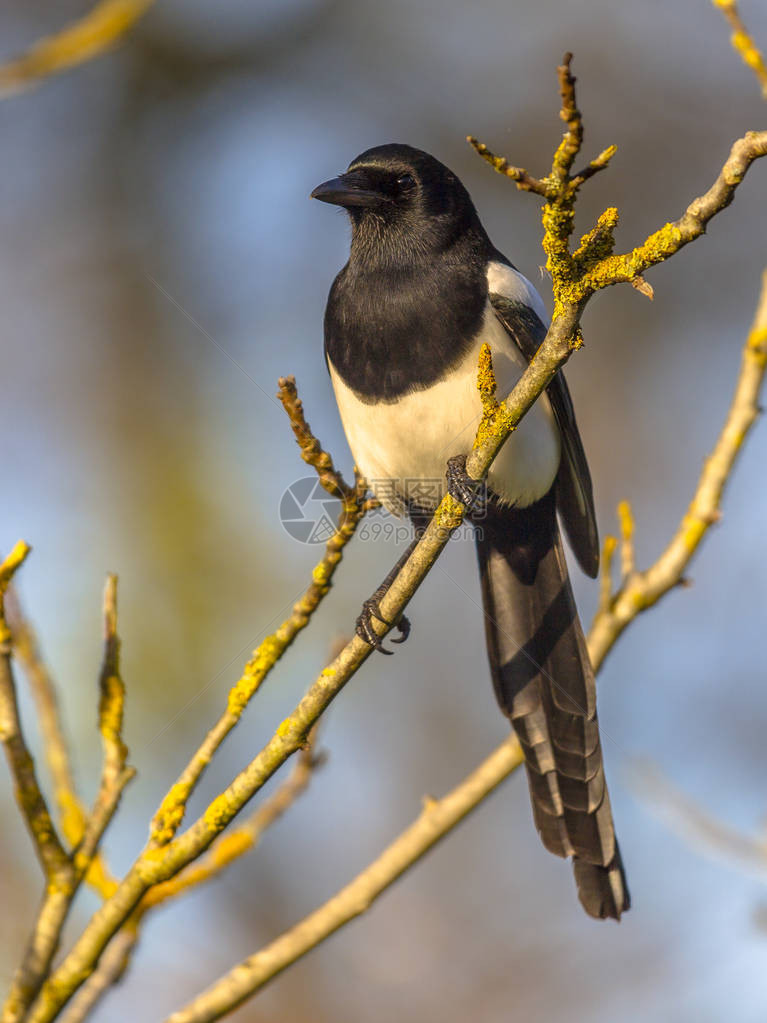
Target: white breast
[402,448]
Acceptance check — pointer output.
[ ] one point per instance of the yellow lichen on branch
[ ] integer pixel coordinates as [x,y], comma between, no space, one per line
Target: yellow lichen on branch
[487,386]
[169,854]
[354,505]
[640,590]
[27,790]
[230,846]
[743,43]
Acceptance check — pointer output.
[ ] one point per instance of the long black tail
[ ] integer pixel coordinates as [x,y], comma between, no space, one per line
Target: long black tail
[544,682]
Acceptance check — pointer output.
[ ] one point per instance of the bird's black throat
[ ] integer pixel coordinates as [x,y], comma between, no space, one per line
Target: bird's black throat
[398,319]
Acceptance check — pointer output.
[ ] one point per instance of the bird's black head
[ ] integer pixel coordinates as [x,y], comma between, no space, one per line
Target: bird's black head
[401,200]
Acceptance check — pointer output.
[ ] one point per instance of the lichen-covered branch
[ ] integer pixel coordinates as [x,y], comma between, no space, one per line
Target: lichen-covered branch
[54,860]
[574,280]
[497,421]
[232,844]
[72,812]
[673,236]
[64,881]
[110,971]
[227,848]
[99,30]
[743,43]
[436,819]
[29,796]
[640,590]
[354,504]
[115,771]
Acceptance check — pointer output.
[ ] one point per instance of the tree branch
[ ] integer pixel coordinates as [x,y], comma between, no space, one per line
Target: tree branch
[641,590]
[573,282]
[72,812]
[743,43]
[354,505]
[87,38]
[231,845]
[29,796]
[225,850]
[64,882]
[436,820]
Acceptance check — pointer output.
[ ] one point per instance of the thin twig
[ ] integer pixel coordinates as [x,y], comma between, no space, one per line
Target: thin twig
[609,548]
[743,43]
[643,589]
[436,819]
[672,237]
[312,451]
[695,824]
[32,804]
[64,882]
[354,505]
[233,844]
[227,848]
[628,554]
[525,182]
[99,30]
[57,867]
[72,812]
[572,140]
[110,971]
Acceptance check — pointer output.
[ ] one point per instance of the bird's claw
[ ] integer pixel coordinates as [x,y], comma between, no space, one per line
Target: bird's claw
[461,487]
[364,626]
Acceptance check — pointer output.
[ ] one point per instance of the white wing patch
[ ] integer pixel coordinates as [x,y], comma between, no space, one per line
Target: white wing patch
[402,448]
[503,280]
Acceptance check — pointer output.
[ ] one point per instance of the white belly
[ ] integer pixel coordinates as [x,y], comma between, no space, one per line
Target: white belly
[402,448]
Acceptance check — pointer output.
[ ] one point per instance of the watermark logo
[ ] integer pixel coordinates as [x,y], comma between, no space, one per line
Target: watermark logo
[307,512]
[310,515]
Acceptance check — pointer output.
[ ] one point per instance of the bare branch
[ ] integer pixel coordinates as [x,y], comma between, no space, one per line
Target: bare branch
[692,822]
[311,450]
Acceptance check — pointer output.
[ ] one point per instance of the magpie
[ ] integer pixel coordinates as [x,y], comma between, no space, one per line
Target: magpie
[423,289]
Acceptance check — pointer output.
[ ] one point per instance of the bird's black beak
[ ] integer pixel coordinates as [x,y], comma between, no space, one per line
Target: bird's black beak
[346,190]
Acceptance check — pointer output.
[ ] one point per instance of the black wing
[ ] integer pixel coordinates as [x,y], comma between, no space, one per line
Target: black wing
[575,498]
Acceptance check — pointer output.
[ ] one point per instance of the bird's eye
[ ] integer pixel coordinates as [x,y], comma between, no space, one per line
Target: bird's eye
[406,181]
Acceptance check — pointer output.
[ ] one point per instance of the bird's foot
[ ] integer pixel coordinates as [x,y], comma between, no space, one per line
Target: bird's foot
[461,487]
[364,628]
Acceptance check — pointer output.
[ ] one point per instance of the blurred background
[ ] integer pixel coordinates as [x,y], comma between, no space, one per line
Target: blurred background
[161,267]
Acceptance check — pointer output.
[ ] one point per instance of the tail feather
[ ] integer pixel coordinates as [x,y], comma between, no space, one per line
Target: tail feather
[545,684]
